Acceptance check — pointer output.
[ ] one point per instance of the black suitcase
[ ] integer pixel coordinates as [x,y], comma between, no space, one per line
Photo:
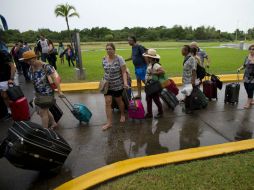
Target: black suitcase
[3,108]
[56,112]
[169,98]
[197,100]
[30,146]
[126,98]
[232,93]
[14,92]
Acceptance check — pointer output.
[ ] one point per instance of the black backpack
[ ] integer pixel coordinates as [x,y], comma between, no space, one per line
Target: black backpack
[201,72]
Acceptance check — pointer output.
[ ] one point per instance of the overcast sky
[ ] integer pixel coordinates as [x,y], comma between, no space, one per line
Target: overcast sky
[117,14]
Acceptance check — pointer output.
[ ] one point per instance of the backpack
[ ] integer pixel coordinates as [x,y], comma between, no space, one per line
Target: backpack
[201,72]
[143,47]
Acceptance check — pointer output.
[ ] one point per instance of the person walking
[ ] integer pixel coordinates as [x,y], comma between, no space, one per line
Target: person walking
[154,69]
[248,76]
[201,54]
[44,94]
[116,75]
[7,72]
[69,55]
[52,54]
[19,51]
[139,62]
[43,47]
[61,52]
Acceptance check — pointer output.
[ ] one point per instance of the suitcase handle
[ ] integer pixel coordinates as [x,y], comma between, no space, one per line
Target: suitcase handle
[67,103]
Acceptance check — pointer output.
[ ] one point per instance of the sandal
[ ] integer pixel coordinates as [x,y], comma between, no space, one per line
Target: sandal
[247,106]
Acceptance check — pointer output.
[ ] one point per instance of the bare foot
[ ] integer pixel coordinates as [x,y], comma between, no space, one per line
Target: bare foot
[122,119]
[106,126]
[252,103]
[246,106]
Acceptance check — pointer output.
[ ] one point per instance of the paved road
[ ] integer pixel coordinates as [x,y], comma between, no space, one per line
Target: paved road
[93,148]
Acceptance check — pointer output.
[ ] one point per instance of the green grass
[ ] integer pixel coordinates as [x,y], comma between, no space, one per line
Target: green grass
[232,172]
[223,60]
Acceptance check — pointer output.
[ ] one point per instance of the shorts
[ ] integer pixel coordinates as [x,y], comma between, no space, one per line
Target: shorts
[3,86]
[141,72]
[113,93]
[249,87]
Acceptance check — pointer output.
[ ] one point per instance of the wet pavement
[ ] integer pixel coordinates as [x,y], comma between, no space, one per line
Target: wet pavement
[93,148]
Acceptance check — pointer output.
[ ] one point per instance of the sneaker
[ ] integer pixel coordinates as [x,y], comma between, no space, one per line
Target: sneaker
[148,116]
[159,115]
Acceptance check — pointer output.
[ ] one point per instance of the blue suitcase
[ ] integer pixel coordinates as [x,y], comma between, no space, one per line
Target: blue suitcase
[80,111]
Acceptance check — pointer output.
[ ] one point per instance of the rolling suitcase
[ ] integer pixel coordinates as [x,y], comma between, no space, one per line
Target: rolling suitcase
[136,109]
[197,100]
[79,111]
[30,146]
[20,109]
[210,89]
[56,112]
[3,110]
[169,98]
[232,92]
[172,87]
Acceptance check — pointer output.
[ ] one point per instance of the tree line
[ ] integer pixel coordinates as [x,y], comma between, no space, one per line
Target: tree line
[160,33]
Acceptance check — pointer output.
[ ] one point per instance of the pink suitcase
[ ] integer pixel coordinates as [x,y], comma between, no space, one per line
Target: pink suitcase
[136,109]
[20,109]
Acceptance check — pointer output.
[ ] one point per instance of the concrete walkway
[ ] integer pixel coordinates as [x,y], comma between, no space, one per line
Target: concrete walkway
[93,148]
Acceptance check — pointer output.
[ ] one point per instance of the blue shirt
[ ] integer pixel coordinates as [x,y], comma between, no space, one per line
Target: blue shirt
[137,56]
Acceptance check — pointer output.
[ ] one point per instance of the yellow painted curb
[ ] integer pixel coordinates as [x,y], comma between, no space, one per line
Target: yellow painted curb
[68,87]
[124,167]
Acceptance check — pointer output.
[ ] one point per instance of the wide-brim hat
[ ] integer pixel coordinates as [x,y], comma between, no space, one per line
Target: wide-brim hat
[151,53]
[28,55]
[194,44]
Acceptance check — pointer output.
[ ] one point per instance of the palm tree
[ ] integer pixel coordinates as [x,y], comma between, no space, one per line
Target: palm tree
[66,11]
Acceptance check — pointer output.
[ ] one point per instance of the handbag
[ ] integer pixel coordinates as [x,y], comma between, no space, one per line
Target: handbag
[152,87]
[103,86]
[45,101]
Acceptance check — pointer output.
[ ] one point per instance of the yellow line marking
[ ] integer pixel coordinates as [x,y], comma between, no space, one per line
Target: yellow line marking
[95,85]
[124,167]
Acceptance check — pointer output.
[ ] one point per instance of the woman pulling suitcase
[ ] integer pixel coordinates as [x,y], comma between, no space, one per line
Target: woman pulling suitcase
[44,93]
[248,77]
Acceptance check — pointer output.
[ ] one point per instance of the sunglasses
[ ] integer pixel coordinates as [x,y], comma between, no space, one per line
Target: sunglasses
[252,49]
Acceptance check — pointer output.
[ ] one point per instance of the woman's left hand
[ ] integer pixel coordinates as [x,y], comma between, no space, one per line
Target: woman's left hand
[126,86]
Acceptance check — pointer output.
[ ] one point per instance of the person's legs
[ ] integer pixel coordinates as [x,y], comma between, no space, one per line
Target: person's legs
[149,106]
[156,99]
[249,93]
[108,109]
[44,57]
[120,104]
[44,114]
[69,61]
[25,70]
[52,122]
[72,62]
[139,88]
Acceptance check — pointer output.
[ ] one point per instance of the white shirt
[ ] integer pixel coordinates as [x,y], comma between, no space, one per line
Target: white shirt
[44,46]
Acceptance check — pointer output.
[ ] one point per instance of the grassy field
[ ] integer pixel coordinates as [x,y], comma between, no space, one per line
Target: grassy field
[223,60]
[234,172]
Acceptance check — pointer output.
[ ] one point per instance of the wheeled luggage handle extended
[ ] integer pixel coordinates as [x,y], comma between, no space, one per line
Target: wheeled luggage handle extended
[67,103]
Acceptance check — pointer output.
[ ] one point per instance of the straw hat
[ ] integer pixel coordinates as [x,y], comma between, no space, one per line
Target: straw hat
[28,55]
[194,44]
[151,53]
